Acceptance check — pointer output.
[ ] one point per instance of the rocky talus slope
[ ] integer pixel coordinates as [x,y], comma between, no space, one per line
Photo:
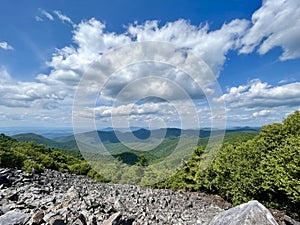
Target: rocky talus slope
[57,198]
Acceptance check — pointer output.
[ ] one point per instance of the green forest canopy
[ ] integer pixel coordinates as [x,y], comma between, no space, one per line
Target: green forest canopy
[265,168]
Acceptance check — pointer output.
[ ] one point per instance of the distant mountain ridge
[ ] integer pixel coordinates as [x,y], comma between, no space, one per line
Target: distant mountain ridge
[48,132]
[45,141]
[34,137]
[113,137]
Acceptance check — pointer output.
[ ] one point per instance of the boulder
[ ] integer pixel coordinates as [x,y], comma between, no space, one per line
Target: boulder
[289,221]
[251,213]
[14,217]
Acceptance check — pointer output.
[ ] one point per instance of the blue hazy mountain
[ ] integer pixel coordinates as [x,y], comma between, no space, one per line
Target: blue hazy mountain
[48,132]
[111,136]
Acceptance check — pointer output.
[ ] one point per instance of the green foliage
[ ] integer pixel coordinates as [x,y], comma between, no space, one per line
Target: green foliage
[185,178]
[34,158]
[73,153]
[81,168]
[96,176]
[132,175]
[31,166]
[11,159]
[142,161]
[266,168]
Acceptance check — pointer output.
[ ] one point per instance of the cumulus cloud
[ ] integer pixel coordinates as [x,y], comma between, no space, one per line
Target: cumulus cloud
[24,94]
[125,114]
[28,94]
[211,46]
[134,109]
[179,112]
[92,41]
[262,113]
[4,45]
[276,23]
[151,79]
[257,94]
[54,91]
[70,62]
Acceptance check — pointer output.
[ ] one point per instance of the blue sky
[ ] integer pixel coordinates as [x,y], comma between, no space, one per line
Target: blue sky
[252,46]
[33,47]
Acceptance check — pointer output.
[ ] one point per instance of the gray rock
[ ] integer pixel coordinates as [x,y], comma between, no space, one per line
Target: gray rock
[48,216]
[14,217]
[92,220]
[289,221]
[37,218]
[81,220]
[114,219]
[62,198]
[251,213]
[119,205]
[72,193]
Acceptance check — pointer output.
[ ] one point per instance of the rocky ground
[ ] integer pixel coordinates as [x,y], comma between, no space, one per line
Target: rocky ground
[59,198]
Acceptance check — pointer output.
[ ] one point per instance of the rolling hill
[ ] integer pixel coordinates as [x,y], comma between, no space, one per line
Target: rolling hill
[113,139]
[39,139]
[134,145]
[142,134]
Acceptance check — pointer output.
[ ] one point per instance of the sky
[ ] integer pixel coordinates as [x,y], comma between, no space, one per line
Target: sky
[252,48]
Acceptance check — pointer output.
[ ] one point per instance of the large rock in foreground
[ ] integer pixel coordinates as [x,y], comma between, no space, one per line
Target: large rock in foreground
[251,213]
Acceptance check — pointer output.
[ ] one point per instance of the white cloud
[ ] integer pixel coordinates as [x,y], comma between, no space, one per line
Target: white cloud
[257,94]
[153,79]
[4,76]
[70,62]
[4,45]
[287,80]
[211,46]
[38,19]
[92,40]
[264,112]
[134,109]
[29,94]
[63,17]
[91,37]
[276,23]
[34,116]
[170,113]
[47,15]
